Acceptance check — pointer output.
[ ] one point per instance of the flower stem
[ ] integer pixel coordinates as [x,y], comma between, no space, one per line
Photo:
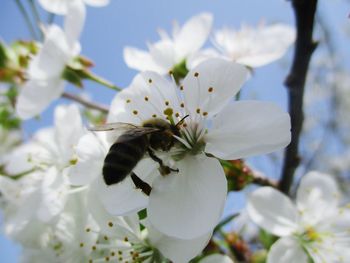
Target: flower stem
[86,103]
[98,79]
[27,19]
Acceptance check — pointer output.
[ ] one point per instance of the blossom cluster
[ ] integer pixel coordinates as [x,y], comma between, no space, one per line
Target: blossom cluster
[180,116]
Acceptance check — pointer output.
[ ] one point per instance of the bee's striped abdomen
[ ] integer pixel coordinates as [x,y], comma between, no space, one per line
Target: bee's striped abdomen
[122,158]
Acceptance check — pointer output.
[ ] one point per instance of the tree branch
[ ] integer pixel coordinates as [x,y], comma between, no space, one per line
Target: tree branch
[84,102]
[304,11]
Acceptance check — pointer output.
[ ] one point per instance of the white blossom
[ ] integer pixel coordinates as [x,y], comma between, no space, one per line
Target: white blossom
[172,50]
[188,204]
[313,227]
[45,82]
[252,47]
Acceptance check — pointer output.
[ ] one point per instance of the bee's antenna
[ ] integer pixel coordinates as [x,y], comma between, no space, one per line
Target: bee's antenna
[181,121]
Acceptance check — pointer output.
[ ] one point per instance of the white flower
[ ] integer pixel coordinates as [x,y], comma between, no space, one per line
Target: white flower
[49,154]
[45,82]
[121,238]
[61,7]
[169,52]
[314,227]
[188,204]
[252,47]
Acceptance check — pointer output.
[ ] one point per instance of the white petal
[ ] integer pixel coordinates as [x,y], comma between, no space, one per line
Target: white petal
[90,157]
[140,60]
[123,198]
[317,197]
[287,250]
[195,59]
[274,42]
[163,54]
[246,128]
[55,6]
[193,34]
[74,23]
[35,96]
[224,77]
[216,258]
[52,57]
[147,85]
[67,136]
[177,250]
[53,195]
[189,204]
[97,3]
[273,211]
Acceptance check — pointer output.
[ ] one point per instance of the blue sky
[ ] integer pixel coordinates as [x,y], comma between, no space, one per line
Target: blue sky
[134,22]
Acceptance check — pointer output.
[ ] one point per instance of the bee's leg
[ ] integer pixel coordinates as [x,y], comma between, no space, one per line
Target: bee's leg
[140,184]
[163,169]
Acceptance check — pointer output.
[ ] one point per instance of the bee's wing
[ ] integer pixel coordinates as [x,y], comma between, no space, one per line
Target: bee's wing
[120,126]
[124,131]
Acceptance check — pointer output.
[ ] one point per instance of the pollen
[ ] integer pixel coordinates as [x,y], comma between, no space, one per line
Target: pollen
[211,89]
[110,224]
[146,98]
[128,100]
[198,110]
[168,111]
[150,81]
[135,112]
[196,74]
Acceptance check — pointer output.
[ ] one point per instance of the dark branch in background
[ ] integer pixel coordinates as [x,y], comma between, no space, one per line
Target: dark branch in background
[88,104]
[304,11]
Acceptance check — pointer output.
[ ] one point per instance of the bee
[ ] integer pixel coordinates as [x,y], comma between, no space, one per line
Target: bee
[134,142]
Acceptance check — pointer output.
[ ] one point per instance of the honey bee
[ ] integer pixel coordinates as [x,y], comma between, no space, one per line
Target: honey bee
[131,146]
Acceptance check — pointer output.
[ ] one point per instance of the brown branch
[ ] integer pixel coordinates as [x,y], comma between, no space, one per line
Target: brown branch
[88,104]
[304,11]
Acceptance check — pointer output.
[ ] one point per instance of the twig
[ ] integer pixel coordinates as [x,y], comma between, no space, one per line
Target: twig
[84,102]
[264,181]
[304,11]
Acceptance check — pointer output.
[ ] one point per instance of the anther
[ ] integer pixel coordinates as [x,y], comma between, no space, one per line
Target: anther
[112,253]
[154,116]
[198,110]
[196,74]
[88,230]
[128,100]
[93,248]
[166,103]
[205,113]
[181,87]
[171,72]
[135,112]
[105,238]
[81,244]
[149,80]
[177,114]
[182,105]
[107,258]
[146,98]
[126,239]
[210,89]
[110,224]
